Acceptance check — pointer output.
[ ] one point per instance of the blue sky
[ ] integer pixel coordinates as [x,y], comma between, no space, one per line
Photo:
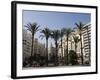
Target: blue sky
[54,20]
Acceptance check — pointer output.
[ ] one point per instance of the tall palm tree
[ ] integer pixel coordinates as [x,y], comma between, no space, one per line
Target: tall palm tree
[76,40]
[33,28]
[79,27]
[71,40]
[61,36]
[71,43]
[46,33]
[56,35]
[67,32]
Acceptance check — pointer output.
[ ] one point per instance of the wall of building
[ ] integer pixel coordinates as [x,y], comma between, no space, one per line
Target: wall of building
[38,48]
[71,44]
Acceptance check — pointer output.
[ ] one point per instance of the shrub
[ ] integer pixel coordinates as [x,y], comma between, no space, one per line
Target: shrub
[73,57]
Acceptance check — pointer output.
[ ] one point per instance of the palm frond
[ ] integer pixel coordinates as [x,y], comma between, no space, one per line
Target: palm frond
[46,32]
[55,34]
[67,31]
[77,25]
[32,27]
[28,28]
[41,36]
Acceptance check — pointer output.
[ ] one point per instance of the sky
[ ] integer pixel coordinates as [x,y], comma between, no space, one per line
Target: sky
[54,20]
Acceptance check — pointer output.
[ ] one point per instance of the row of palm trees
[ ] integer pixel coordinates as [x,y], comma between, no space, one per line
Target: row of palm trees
[56,35]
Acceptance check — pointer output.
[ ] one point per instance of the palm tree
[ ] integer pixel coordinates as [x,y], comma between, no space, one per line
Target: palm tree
[33,28]
[71,40]
[67,33]
[71,43]
[79,27]
[46,33]
[55,35]
[61,36]
[76,40]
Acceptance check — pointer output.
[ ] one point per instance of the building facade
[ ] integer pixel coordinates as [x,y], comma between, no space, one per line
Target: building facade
[86,44]
[38,48]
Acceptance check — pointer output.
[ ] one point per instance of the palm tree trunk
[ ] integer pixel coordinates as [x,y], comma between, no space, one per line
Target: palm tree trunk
[81,49]
[32,47]
[47,52]
[67,50]
[75,48]
[31,58]
[61,48]
[56,56]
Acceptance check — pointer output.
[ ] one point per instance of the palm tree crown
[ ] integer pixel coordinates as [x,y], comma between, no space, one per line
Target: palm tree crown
[67,31]
[79,27]
[32,27]
[46,33]
[55,34]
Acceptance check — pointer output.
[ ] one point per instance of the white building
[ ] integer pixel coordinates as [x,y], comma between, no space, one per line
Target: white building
[86,43]
[39,48]
[26,44]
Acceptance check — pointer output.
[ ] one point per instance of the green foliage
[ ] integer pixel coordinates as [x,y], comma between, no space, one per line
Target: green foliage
[79,27]
[46,33]
[67,31]
[73,57]
[62,32]
[32,27]
[55,34]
